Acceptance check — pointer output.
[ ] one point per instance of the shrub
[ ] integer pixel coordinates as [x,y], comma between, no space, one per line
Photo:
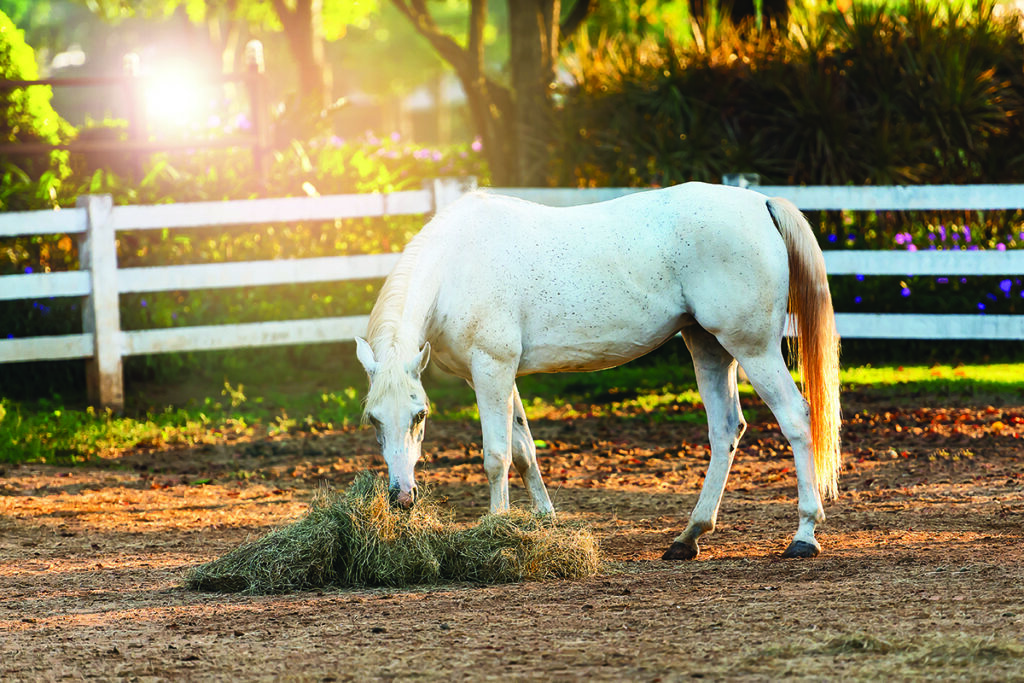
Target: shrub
[26,116]
[885,94]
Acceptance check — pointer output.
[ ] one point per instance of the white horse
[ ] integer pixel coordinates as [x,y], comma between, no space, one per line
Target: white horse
[496,287]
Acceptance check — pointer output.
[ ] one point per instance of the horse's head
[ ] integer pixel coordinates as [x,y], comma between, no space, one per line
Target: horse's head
[397,407]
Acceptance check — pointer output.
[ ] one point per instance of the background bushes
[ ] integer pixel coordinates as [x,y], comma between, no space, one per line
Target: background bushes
[874,96]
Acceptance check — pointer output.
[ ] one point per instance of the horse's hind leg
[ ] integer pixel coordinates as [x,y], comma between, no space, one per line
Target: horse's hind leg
[716,380]
[524,457]
[768,373]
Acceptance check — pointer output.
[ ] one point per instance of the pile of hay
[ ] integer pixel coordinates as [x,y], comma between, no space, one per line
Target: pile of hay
[356,538]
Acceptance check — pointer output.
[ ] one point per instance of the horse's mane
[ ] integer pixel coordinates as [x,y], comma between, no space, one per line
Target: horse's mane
[391,348]
[386,316]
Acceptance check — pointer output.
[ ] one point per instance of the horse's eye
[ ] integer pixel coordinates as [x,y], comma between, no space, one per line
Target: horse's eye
[374,422]
[420,417]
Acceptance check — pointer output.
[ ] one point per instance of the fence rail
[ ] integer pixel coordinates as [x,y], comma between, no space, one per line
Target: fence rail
[100,282]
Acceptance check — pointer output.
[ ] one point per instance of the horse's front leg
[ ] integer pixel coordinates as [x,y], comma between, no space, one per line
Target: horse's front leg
[494,383]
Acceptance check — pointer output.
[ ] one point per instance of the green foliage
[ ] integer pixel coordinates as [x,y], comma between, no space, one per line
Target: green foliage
[27,113]
[26,116]
[906,93]
[55,431]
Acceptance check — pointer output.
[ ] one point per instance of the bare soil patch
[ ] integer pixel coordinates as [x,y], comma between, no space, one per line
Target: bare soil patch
[921,576]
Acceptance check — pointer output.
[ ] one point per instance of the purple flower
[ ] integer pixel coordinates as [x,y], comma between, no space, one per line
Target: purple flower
[899,238]
[1000,247]
[144,303]
[833,238]
[911,247]
[437,155]
[28,269]
[857,299]
[967,233]
[981,306]
[942,232]
[942,280]
[396,136]
[479,145]
[1006,286]
[860,278]
[905,291]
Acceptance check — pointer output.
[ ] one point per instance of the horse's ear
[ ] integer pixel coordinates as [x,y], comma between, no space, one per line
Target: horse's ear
[419,363]
[365,355]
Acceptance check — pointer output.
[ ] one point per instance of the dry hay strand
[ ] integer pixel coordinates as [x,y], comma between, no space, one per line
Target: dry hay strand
[356,538]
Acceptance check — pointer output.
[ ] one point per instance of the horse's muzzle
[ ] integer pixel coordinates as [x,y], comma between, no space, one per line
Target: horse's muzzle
[401,499]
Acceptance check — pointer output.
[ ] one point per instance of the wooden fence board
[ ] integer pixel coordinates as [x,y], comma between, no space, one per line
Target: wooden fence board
[244,335]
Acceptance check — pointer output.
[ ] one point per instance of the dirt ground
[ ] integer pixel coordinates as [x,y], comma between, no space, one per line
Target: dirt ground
[921,575]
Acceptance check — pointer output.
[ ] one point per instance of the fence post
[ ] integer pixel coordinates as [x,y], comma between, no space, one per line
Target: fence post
[137,125]
[742,179]
[101,314]
[255,70]
[444,191]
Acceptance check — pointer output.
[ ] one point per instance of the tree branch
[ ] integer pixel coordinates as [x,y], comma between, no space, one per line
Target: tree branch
[477,24]
[581,9]
[418,14]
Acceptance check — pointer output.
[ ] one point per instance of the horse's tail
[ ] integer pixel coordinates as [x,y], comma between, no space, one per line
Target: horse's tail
[811,315]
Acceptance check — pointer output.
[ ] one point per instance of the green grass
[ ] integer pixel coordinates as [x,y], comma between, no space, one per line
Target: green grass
[202,411]
[1003,381]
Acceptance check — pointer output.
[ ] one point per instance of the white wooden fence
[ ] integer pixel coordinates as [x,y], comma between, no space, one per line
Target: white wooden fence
[100,282]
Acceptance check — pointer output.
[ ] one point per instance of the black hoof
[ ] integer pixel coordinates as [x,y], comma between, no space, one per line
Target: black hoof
[680,551]
[801,549]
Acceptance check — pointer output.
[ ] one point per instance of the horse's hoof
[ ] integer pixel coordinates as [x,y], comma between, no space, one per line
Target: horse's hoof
[680,551]
[801,549]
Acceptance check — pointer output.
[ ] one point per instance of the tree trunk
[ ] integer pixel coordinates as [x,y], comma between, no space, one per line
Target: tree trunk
[303,29]
[513,123]
[533,53]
